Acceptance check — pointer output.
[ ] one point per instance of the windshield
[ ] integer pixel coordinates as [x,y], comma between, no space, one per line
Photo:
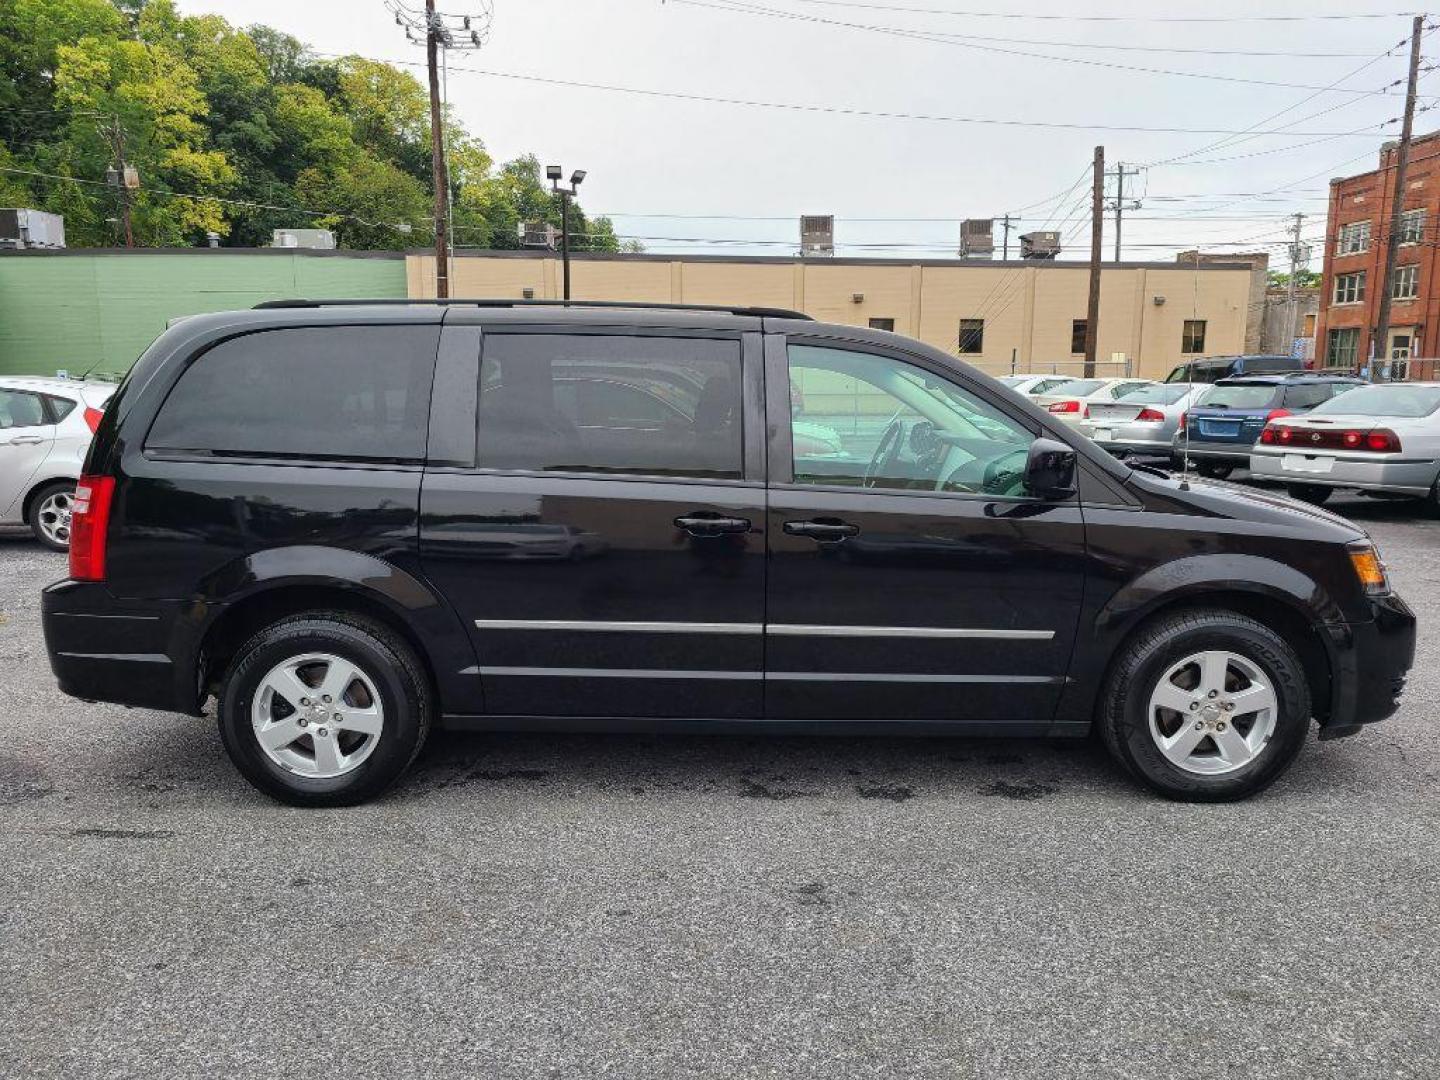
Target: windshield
[1395,399]
[1164,394]
[1239,396]
[1076,387]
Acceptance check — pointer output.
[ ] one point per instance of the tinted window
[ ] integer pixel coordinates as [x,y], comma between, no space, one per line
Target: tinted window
[611,404]
[859,419]
[21,409]
[1308,395]
[1199,373]
[1395,399]
[1240,396]
[350,393]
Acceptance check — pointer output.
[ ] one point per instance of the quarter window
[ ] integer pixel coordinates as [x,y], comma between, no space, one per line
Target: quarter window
[863,420]
[1406,285]
[611,404]
[358,393]
[972,335]
[1192,336]
[1349,288]
[1353,238]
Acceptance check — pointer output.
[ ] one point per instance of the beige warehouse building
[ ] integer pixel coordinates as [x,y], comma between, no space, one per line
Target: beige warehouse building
[1029,313]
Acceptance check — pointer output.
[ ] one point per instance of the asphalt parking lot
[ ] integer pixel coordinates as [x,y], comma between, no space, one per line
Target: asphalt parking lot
[565,906]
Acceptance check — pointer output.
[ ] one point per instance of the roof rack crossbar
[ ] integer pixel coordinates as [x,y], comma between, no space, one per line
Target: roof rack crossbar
[757,312]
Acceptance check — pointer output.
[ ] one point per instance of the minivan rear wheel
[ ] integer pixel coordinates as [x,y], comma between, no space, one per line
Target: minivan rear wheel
[324,709]
[1206,706]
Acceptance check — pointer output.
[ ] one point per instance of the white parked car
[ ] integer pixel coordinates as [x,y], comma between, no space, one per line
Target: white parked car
[1071,400]
[1030,385]
[45,430]
[1382,440]
[1141,422]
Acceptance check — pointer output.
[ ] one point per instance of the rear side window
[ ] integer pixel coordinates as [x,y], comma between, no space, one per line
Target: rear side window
[1308,395]
[20,408]
[611,403]
[352,393]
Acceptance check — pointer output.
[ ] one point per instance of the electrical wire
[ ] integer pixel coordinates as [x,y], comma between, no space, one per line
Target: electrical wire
[1108,18]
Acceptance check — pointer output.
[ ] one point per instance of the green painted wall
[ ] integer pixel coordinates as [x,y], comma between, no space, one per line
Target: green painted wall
[79,310]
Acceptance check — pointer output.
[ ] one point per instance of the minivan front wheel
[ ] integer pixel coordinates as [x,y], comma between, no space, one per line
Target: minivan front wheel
[324,709]
[1206,706]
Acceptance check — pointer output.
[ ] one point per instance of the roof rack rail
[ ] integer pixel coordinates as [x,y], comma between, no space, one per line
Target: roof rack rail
[758,312]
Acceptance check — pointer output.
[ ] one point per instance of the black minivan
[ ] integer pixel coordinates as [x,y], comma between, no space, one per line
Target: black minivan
[350,522]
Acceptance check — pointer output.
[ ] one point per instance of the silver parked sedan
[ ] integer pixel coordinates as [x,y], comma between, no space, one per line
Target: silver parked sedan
[1142,421]
[1383,440]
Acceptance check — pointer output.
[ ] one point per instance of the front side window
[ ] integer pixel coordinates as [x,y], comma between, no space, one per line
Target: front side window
[1406,285]
[1077,335]
[1412,226]
[18,408]
[1349,288]
[862,420]
[1342,347]
[611,403]
[353,393]
[972,335]
[1353,238]
[1192,337]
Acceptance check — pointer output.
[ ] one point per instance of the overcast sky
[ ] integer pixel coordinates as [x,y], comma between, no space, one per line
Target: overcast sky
[724,169]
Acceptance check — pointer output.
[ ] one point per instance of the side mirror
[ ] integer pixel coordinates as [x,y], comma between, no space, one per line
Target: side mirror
[1050,469]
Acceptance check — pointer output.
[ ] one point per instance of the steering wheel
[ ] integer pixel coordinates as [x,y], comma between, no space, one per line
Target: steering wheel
[886,451]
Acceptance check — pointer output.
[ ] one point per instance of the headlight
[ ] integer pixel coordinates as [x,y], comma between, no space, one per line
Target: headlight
[1365,558]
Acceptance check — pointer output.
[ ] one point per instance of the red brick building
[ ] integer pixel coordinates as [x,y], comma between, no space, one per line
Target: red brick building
[1357,224]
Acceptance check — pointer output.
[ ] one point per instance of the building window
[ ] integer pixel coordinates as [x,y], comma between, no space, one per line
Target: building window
[1412,226]
[1192,337]
[1349,288]
[883,324]
[1353,239]
[1406,285]
[1342,347]
[972,335]
[1077,335]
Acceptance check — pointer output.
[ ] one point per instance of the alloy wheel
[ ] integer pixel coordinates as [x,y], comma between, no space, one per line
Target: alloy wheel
[1212,713]
[53,516]
[317,715]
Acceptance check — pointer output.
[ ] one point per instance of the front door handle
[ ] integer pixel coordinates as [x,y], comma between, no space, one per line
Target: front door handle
[705,525]
[26,440]
[824,530]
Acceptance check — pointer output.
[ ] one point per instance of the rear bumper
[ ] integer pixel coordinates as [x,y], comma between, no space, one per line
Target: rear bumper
[1237,454]
[139,653]
[1369,664]
[1408,476]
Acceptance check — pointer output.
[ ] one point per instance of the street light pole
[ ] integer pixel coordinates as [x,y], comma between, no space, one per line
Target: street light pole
[553,173]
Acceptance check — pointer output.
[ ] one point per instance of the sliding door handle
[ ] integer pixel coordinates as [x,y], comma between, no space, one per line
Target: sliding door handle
[822,529]
[701,524]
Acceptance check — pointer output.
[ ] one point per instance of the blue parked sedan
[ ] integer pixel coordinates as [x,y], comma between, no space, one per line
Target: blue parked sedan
[1216,434]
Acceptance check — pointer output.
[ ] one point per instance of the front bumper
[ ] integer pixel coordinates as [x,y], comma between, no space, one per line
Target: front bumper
[140,653]
[1406,476]
[1369,662]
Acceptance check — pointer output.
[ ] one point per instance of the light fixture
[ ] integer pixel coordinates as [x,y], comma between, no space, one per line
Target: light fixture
[527,293]
[857,298]
[577,177]
[1158,301]
[553,172]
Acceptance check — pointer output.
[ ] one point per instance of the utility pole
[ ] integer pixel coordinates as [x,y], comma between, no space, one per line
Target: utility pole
[438,31]
[1097,239]
[1120,173]
[1005,248]
[1295,263]
[1380,344]
[120,175]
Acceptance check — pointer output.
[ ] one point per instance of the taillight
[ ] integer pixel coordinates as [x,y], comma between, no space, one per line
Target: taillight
[1276,414]
[89,522]
[1065,406]
[1184,419]
[1152,416]
[93,418]
[1268,436]
[1382,441]
[1351,440]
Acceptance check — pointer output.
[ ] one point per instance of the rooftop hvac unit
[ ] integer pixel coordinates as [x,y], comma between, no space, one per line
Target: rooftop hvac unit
[26,229]
[538,234]
[321,239]
[1039,245]
[977,238]
[817,235]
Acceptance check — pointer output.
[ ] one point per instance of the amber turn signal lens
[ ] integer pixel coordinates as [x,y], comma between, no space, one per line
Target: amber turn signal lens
[1369,569]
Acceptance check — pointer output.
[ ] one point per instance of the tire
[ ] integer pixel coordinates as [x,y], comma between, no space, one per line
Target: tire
[50,514]
[1314,494]
[1135,681]
[1214,472]
[370,753]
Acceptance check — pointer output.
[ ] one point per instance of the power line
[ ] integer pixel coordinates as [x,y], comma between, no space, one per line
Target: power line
[1106,18]
[739,7]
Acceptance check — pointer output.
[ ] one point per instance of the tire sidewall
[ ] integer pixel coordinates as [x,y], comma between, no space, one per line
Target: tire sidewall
[1286,677]
[399,697]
